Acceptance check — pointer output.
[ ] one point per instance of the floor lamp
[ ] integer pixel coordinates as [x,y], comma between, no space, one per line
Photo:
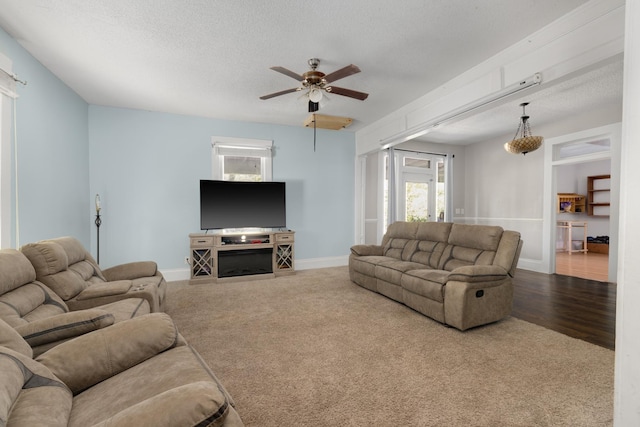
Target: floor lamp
[98,224]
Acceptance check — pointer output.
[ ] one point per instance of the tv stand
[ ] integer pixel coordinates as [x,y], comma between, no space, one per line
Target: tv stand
[240,254]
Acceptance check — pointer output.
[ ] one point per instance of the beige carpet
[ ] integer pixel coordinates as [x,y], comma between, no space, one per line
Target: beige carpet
[314,349]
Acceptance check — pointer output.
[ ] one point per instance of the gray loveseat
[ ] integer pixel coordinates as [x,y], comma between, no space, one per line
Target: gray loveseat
[457,274]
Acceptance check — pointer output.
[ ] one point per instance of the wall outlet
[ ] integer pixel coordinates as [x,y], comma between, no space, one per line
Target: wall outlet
[186,260]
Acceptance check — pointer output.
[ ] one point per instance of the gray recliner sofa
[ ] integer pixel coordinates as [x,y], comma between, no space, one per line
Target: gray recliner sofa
[41,317]
[65,266]
[139,372]
[457,274]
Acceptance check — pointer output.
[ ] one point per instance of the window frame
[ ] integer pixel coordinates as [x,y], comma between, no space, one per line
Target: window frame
[238,146]
[7,155]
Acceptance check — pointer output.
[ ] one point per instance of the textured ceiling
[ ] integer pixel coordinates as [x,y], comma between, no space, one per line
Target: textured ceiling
[211,58]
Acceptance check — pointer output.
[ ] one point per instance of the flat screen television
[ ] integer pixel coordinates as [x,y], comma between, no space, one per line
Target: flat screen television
[240,204]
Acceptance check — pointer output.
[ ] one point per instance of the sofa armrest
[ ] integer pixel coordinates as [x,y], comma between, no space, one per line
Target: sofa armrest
[105,289]
[198,403]
[131,270]
[478,274]
[85,361]
[366,250]
[64,326]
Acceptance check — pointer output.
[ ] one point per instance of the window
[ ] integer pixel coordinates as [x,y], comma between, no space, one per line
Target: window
[240,159]
[419,184]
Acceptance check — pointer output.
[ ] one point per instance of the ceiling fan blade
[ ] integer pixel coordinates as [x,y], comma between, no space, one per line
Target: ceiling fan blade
[282,92]
[342,73]
[348,92]
[289,73]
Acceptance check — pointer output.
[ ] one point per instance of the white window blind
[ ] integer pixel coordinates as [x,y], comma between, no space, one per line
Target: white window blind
[241,159]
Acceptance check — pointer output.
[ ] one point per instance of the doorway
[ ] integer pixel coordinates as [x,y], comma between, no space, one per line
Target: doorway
[419,183]
[569,161]
[584,254]
[416,197]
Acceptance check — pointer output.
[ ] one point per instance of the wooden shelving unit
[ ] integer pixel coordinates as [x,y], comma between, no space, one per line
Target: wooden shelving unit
[598,195]
[571,203]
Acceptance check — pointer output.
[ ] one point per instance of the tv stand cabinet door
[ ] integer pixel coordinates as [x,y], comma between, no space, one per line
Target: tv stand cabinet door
[283,253]
[202,259]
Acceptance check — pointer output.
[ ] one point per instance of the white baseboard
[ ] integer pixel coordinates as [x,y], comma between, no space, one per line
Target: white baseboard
[307,264]
[174,274]
[532,265]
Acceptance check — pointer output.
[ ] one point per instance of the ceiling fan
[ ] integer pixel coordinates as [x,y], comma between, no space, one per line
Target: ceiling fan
[315,82]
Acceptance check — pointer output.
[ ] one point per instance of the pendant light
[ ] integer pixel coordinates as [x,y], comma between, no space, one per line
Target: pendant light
[523,142]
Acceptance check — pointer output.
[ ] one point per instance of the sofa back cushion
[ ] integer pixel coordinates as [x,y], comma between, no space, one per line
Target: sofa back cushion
[79,260]
[422,242]
[432,238]
[22,299]
[63,265]
[471,245]
[399,240]
[30,395]
[15,270]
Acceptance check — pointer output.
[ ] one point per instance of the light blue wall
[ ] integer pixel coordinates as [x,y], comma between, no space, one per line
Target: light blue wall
[53,153]
[146,167]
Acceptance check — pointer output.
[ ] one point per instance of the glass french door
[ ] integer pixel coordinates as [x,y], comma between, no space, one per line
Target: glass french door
[416,197]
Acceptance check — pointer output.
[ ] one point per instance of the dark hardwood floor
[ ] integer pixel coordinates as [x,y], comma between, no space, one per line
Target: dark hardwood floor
[580,308]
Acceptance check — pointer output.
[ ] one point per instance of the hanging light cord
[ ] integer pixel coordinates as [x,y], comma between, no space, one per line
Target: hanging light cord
[314,133]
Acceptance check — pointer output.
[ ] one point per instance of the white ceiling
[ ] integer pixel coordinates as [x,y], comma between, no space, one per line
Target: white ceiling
[211,58]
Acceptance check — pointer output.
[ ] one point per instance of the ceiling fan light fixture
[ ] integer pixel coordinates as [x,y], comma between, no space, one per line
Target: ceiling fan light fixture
[315,94]
[523,142]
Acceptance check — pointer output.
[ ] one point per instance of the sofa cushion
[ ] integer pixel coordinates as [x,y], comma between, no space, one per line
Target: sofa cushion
[179,366]
[52,268]
[30,395]
[483,237]
[46,257]
[367,264]
[30,302]
[434,231]
[391,271]
[15,270]
[399,248]
[10,338]
[72,247]
[428,253]
[470,245]
[426,283]
[400,230]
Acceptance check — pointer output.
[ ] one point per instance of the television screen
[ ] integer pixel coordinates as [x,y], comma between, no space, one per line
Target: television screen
[240,204]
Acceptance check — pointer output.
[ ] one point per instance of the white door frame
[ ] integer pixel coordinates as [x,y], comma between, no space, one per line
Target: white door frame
[611,132]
